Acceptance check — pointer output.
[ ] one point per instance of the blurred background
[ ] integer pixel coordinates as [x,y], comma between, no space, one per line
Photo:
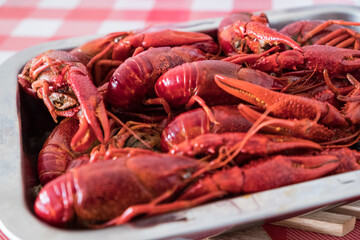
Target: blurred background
[24,23]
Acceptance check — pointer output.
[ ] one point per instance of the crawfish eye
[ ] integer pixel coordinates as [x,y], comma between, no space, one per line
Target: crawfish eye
[62,101]
[237,44]
[119,38]
[186,175]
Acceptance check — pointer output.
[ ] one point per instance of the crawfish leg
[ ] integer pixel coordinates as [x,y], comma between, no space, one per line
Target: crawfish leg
[324,25]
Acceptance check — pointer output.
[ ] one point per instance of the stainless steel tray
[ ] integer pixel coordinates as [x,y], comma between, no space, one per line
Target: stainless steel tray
[18,118]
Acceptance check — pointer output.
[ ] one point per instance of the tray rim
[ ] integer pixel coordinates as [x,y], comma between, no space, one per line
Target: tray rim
[12,179]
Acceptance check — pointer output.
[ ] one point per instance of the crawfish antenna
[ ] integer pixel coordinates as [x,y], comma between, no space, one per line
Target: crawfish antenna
[237,148]
[128,129]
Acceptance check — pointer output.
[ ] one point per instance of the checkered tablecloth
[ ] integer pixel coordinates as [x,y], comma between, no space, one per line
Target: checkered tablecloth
[24,23]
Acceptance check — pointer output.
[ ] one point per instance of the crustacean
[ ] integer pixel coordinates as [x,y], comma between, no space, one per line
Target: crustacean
[306,112]
[248,33]
[103,55]
[275,111]
[193,82]
[151,176]
[67,90]
[134,80]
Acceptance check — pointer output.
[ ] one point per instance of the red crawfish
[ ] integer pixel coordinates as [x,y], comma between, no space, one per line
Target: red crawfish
[248,33]
[195,122]
[56,153]
[67,90]
[321,32]
[300,128]
[133,180]
[259,145]
[100,192]
[103,54]
[281,104]
[259,175]
[134,80]
[316,120]
[317,58]
[56,156]
[190,82]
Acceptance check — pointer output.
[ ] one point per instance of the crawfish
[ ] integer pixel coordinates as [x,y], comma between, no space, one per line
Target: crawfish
[196,122]
[103,54]
[134,80]
[259,175]
[259,145]
[190,82]
[247,33]
[316,58]
[67,90]
[56,156]
[146,176]
[56,153]
[312,118]
[283,105]
[100,192]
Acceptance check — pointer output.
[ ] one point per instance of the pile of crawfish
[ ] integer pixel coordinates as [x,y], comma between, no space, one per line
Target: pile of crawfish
[155,121]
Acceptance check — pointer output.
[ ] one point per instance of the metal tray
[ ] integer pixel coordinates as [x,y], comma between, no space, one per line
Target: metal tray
[22,122]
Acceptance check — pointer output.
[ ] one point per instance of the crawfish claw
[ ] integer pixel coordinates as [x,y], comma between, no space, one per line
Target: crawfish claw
[91,102]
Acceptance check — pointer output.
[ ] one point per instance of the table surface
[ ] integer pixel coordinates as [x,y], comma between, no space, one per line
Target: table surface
[24,23]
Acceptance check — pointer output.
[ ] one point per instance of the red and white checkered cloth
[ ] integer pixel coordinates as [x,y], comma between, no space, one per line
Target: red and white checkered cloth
[24,23]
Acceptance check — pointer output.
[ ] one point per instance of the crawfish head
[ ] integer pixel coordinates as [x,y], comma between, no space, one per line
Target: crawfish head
[258,36]
[45,76]
[67,90]
[43,67]
[230,41]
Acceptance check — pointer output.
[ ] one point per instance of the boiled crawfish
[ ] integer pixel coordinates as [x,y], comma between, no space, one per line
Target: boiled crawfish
[259,145]
[194,82]
[306,112]
[248,33]
[57,157]
[56,153]
[104,54]
[193,123]
[153,176]
[67,90]
[134,80]
[317,58]
[212,152]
